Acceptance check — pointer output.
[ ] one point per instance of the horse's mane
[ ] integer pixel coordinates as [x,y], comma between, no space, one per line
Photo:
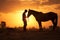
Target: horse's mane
[36,11]
[33,10]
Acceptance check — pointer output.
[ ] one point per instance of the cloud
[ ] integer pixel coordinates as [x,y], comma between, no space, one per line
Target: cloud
[51,2]
[9,5]
[58,8]
[13,5]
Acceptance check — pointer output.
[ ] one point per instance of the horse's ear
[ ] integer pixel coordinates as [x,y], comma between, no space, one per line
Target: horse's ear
[29,9]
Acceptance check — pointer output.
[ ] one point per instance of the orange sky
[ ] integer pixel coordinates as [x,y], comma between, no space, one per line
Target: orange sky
[11,11]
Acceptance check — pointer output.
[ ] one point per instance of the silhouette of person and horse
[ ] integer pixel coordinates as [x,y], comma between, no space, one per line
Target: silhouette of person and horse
[41,17]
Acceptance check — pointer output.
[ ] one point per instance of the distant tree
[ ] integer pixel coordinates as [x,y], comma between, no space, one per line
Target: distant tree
[3,24]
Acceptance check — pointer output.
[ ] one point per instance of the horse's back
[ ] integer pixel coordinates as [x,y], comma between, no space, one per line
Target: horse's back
[51,14]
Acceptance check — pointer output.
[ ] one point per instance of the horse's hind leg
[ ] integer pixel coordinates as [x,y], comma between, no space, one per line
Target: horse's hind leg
[54,23]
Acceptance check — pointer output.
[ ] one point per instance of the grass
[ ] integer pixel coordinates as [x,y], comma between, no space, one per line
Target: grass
[16,34]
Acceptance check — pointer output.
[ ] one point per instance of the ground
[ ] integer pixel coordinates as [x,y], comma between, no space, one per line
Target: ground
[10,34]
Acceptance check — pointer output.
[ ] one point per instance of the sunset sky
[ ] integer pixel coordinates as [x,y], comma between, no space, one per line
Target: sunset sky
[11,11]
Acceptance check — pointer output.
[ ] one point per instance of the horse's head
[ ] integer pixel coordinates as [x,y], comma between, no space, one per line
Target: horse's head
[32,12]
[29,13]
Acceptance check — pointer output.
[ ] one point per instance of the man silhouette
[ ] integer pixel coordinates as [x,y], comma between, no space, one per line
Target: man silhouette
[24,20]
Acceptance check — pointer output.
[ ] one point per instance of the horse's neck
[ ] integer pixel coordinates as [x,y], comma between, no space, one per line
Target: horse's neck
[36,15]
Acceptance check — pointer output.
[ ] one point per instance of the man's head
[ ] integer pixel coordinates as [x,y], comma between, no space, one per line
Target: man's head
[25,10]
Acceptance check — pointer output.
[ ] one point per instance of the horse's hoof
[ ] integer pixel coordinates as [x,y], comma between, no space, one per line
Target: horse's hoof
[41,30]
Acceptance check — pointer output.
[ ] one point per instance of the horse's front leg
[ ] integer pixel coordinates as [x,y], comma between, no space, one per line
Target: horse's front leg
[40,26]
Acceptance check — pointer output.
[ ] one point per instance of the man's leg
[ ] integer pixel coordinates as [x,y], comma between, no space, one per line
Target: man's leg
[25,24]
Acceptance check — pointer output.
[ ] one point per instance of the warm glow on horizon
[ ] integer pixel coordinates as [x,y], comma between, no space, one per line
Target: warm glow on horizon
[16,20]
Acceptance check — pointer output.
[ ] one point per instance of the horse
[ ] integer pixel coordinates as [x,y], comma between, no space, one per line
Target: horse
[42,17]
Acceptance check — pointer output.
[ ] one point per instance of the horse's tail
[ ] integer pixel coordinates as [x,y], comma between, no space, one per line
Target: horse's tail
[56,19]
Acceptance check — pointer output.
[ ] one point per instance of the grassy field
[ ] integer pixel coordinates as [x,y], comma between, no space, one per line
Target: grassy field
[10,34]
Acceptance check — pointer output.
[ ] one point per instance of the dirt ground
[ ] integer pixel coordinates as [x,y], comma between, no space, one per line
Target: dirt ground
[29,35]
